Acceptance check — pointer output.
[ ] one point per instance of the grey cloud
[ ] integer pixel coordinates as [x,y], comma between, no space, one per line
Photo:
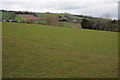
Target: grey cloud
[60,0]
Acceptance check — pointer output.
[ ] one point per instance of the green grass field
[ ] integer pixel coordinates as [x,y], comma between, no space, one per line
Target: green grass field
[39,51]
[6,15]
[19,18]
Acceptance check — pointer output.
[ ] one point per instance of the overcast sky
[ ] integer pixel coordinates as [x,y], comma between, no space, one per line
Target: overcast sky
[85,7]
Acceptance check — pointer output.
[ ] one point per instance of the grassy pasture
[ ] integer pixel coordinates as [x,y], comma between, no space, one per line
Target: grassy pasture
[41,15]
[19,18]
[31,51]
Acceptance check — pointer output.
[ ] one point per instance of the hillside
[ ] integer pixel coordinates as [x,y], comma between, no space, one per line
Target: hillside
[60,19]
[63,18]
[41,51]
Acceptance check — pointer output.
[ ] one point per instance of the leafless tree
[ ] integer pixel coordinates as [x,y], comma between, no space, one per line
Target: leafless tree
[52,20]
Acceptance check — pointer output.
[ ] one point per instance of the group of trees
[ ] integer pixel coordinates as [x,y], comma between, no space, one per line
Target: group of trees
[100,24]
[12,15]
[24,12]
[18,12]
[84,16]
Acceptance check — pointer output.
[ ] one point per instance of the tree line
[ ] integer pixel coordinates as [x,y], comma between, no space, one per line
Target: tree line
[100,24]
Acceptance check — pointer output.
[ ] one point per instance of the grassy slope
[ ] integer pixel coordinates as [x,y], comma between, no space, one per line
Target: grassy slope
[65,24]
[19,18]
[46,51]
[6,15]
[37,21]
[41,15]
[60,14]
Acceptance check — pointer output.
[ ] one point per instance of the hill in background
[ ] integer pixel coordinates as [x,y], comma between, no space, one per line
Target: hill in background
[60,19]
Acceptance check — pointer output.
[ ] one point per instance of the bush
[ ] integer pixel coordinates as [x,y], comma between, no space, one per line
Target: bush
[87,24]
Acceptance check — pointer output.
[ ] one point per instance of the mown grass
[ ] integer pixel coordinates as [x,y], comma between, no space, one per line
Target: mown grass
[39,51]
[6,15]
[19,18]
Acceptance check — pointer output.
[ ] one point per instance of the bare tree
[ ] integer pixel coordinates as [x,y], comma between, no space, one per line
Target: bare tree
[52,20]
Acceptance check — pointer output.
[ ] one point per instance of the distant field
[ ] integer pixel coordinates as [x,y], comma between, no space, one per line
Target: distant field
[29,17]
[39,51]
[59,14]
[19,18]
[6,15]
[71,25]
[37,21]
[41,15]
